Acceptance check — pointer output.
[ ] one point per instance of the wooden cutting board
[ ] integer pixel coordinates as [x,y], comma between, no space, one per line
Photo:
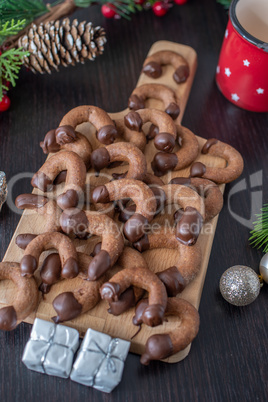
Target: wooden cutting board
[158,260]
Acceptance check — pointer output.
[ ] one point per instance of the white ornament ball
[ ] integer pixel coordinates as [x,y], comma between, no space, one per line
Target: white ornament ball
[240,285]
[264,267]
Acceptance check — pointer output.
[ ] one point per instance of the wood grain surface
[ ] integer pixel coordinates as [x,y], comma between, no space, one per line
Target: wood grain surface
[228,359]
[158,260]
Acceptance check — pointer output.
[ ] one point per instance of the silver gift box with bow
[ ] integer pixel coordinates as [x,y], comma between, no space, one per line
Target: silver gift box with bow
[51,348]
[100,361]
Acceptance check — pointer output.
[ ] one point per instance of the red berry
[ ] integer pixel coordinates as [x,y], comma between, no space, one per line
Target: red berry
[159,9]
[108,10]
[4,103]
[140,2]
[180,2]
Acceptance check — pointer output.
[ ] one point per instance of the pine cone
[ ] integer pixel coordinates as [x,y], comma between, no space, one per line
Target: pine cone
[61,43]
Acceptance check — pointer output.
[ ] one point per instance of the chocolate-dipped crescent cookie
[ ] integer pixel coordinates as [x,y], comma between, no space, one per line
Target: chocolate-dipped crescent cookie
[75,179]
[141,195]
[152,65]
[66,138]
[208,190]
[219,175]
[47,241]
[165,139]
[145,279]
[177,277]
[25,297]
[121,151]
[43,206]
[189,149]
[161,346]
[95,223]
[158,91]
[106,130]
[83,296]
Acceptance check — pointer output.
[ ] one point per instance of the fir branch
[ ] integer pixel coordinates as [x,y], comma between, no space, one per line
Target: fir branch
[259,234]
[10,64]
[121,7]
[225,3]
[10,28]
[23,9]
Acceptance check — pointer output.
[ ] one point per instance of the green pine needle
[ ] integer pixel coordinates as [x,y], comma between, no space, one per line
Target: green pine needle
[10,64]
[121,7]
[259,234]
[10,28]
[225,3]
[22,10]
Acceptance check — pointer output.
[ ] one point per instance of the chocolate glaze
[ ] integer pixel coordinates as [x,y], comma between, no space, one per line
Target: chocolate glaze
[100,194]
[189,226]
[44,288]
[8,318]
[61,178]
[65,135]
[125,302]
[198,169]
[133,121]
[74,222]
[70,269]
[114,164]
[22,240]
[184,181]
[28,265]
[41,181]
[181,74]
[158,346]
[96,250]
[30,201]
[173,281]
[142,244]
[173,110]
[208,144]
[160,197]
[51,269]
[153,131]
[135,102]
[126,213]
[100,159]
[110,291]
[134,227]
[152,69]
[107,134]
[49,144]
[119,176]
[153,315]
[99,265]
[164,142]
[163,162]
[178,215]
[139,310]
[66,306]
[69,199]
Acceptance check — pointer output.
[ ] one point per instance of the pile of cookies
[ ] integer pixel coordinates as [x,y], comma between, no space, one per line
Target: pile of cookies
[122,211]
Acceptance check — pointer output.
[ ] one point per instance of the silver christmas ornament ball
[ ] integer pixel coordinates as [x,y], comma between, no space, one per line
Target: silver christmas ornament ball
[264,267]
[240,285]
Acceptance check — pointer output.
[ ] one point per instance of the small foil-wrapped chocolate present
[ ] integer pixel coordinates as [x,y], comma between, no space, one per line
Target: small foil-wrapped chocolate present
[100,361]
[3,189]
[51,348]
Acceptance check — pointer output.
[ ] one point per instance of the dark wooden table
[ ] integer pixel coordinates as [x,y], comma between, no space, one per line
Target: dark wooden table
[228,359]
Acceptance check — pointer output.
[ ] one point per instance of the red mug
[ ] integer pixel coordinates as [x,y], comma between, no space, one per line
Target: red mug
[242,70]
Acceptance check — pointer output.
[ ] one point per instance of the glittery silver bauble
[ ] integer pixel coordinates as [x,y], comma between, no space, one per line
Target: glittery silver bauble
[264,267]
[240,285]
[3,189]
